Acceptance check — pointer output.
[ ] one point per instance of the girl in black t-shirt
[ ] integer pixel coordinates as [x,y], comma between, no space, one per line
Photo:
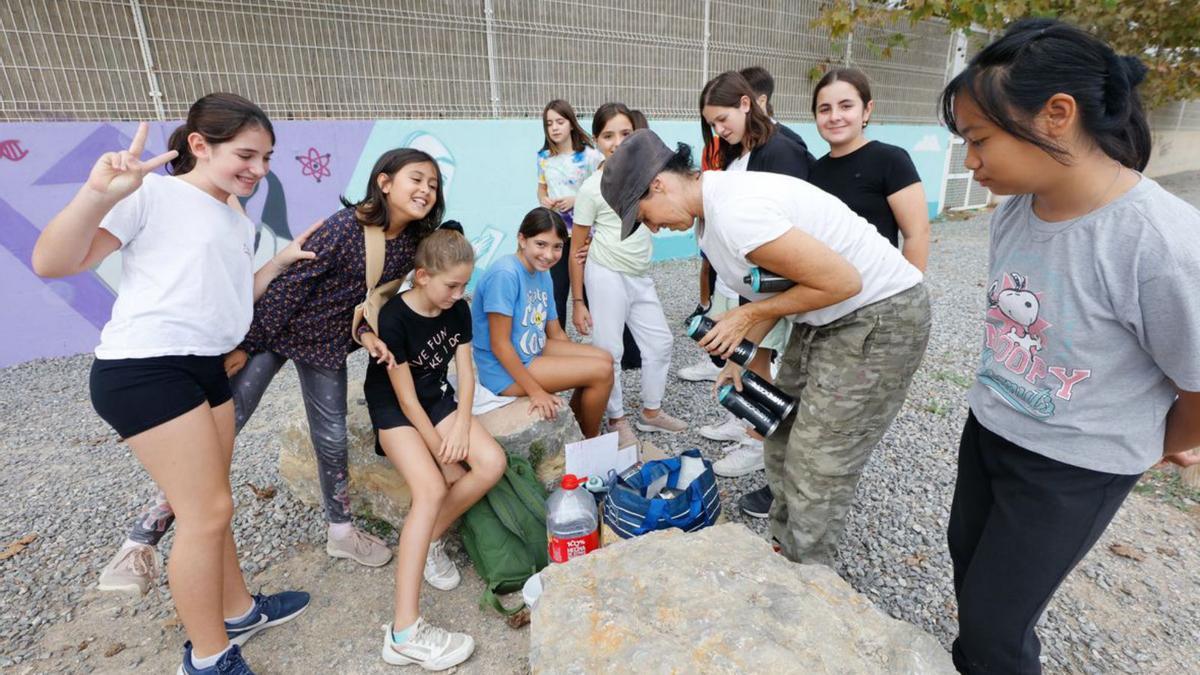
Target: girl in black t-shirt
[446,457]
[876,180]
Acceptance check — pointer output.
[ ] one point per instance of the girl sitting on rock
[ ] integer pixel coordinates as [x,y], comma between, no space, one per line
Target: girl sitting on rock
[444,454]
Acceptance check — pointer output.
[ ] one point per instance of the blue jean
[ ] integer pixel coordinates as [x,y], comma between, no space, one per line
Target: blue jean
[324,393]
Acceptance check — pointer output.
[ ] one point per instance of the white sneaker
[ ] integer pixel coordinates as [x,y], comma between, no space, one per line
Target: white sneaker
[743,459]
[730,429]
[132,569]
[440,570]
[427,646]
[700,371]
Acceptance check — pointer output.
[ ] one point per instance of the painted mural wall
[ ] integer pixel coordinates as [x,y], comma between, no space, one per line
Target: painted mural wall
[489,175]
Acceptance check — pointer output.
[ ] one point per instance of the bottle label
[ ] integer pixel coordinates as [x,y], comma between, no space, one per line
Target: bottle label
[563,549]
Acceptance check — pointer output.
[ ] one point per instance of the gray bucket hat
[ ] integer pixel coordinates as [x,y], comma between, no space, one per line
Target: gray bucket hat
[629,172]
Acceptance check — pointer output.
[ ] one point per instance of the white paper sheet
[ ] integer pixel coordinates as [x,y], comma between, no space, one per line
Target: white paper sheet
[596,456]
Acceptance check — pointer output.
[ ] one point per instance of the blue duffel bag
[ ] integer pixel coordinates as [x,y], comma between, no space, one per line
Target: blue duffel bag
[629,511]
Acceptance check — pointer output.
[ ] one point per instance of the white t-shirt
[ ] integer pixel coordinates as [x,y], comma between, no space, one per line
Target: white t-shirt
[745,210]
[187,278]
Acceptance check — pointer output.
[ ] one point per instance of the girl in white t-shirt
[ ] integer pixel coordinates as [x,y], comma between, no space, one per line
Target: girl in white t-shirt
[566,159]
[186,299]
[861,315]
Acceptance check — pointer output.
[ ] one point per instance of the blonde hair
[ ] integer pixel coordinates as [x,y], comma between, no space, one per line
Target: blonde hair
[443,249]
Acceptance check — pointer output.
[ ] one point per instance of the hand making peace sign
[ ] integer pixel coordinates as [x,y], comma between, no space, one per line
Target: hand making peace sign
[117,174]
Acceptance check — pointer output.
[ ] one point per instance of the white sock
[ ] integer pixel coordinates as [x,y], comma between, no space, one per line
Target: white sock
[340,530]
[243,617]
[208,661]
[129,543]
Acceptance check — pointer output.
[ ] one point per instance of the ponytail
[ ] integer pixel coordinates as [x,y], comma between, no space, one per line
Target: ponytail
[218,118]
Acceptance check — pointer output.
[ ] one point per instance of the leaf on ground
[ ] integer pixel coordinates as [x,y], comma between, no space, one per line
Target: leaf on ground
[915,560]
[17,546]
[114,649]
[1126,551]
[83,645]
[519,619]
[1168,551]
[263,493]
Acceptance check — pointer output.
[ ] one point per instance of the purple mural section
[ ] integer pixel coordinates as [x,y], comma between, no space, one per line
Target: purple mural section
[43,165]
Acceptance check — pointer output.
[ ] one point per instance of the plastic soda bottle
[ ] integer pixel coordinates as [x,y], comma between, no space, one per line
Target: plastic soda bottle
[572,523]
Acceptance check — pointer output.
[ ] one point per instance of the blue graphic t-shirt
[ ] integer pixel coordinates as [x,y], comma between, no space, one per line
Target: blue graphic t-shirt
[528,297]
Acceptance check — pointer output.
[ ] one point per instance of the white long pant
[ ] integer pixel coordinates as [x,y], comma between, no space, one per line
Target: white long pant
[616,300]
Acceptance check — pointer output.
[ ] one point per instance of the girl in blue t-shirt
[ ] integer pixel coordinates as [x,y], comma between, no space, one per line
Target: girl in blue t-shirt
[444,454]
[520,348]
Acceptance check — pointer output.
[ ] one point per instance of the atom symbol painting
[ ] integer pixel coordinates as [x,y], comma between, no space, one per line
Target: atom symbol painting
[314,164]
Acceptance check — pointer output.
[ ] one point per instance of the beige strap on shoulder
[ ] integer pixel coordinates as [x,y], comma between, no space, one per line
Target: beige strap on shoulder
[376,250]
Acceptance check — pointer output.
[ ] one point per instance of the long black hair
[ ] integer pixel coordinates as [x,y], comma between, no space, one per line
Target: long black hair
[1013,77]
[542,219]
[372,209]
[218,117]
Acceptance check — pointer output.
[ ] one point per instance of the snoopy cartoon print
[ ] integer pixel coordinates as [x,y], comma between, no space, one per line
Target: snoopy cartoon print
[1021,306]
[533,322]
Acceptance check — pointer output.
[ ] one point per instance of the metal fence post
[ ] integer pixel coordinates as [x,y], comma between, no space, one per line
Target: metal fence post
[148,59]
[704,47]
[489,16]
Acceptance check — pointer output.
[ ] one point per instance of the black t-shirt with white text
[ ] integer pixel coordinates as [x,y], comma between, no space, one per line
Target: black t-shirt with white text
[426,344]
[864,179]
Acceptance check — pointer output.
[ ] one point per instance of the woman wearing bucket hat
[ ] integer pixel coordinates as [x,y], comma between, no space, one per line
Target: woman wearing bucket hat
[861,313]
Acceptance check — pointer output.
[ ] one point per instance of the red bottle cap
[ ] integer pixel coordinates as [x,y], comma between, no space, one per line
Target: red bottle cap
[571,482]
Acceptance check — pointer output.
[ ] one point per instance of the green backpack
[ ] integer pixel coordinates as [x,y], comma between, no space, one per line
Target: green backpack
[505,533]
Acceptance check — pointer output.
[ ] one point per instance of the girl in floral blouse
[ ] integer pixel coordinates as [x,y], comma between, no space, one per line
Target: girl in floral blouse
[305,316]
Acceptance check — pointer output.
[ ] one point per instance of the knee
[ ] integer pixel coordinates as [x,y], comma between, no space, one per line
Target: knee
[430,495]
[491,464]
[329,440]
[209,518]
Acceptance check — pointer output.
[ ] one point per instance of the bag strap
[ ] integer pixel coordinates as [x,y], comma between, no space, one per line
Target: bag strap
[489,599]
[376,247]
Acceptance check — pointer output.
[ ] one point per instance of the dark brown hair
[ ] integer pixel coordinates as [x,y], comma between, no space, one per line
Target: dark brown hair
[639,120]
[852,76]
[542,219]
[762,83]
[726,90]
[1012,78]
[579,137]
[606,112]
[218,118]
[372,209]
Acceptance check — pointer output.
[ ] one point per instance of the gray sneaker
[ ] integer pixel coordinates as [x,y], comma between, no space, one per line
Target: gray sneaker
[440,570]
[427,646]
[132,569]
[362,548]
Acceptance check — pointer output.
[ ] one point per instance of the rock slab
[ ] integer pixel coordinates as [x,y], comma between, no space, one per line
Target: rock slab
[715,601]
[376,488]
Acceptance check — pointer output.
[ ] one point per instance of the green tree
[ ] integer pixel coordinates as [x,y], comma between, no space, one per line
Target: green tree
[1165,34]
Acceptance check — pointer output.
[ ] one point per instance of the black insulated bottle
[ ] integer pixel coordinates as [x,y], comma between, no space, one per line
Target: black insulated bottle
[764,422]
[766,281]
[700,326]
[767,396]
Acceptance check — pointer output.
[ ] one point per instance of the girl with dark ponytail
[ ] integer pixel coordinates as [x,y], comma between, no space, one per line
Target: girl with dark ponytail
[1088,375]
[186,298]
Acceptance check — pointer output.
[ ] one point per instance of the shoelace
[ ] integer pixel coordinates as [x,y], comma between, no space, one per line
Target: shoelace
[430,636]
[437,555]
[141,560]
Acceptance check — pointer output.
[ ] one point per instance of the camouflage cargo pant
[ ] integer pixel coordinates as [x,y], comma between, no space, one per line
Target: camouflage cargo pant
[849,378]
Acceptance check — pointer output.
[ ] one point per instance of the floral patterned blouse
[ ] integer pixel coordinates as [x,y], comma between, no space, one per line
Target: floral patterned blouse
[306,312]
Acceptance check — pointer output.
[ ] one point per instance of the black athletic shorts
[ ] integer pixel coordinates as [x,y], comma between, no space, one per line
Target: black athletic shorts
[388,415]
[135,395]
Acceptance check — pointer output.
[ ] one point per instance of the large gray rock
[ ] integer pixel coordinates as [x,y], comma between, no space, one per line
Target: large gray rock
[715,601]
[376,488]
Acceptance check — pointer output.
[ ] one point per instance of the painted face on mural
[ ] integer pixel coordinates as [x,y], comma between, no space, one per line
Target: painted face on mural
[841,114]
[236,166]
[729,122]
[446,287]
[540,251]
[558,129]
[613,133]
[411,191]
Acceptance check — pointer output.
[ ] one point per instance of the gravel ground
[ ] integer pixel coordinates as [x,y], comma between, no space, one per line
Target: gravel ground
[68,481]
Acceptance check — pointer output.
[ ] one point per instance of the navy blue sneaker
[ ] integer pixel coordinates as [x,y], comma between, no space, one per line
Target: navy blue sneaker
[269,610]
[230,663]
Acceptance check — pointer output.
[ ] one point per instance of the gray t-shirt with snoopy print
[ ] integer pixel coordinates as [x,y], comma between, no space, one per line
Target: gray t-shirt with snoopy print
[1088,323]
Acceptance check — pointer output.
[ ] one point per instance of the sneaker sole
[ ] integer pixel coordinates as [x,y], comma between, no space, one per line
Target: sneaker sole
[395,658]
[685,378]
[350,556]
[752,514]
[651,429]
[445,586]
[722,472]
[244,637]
[131,587]
[723,437]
